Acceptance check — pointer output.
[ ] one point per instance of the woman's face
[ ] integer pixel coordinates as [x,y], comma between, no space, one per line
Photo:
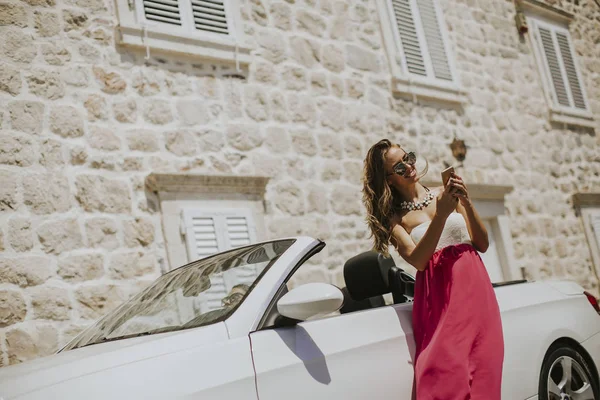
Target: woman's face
[394,156]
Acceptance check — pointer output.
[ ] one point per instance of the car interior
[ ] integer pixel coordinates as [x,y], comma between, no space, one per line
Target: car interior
[368,277]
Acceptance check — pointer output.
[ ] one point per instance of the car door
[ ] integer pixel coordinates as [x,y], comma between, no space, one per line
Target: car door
[359,355]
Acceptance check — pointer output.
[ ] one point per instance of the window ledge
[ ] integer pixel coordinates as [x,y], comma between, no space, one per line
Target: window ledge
[428,91]
[581,200]
[579,118]
[191,183]
[210,48]
[540,8]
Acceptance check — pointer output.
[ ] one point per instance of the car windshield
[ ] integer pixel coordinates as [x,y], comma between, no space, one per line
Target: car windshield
[200,293]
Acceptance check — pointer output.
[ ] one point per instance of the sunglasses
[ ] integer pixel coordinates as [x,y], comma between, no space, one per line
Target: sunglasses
[400,168]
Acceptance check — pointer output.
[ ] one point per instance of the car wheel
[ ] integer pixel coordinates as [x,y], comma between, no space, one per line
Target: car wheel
[566,375]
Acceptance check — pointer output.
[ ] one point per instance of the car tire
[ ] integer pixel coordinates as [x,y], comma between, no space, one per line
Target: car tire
[565,374]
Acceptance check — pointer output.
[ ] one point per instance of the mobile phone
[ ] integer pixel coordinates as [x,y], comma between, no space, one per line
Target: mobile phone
[446,174]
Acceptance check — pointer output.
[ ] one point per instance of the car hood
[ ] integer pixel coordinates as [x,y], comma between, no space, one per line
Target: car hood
[17,380]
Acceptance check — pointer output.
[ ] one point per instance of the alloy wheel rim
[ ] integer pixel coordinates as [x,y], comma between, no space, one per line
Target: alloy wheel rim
[567,380]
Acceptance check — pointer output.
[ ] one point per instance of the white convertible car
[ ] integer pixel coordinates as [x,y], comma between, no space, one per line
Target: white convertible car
[228,327]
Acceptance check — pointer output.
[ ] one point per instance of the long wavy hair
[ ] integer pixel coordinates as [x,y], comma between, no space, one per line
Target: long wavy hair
[380,199]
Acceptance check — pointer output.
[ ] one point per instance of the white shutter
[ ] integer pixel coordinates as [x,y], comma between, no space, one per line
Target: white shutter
[547,42]
[436,49]
[210,16]
[201,236]
[163,11]
[211,231]
[405,22]
[564,45]
[420,29]
[190,16]
[562,71]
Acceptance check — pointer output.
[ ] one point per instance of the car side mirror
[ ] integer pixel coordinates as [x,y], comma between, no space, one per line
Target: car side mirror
[310,300]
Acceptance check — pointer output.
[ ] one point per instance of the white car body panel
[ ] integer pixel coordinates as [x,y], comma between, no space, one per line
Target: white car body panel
[201,363]
[365,354]
[530,327]
[359,355]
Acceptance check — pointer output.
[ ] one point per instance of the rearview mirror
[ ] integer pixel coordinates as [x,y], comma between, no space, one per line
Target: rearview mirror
[310,300]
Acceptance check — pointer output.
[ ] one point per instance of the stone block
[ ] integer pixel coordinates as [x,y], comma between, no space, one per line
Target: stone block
[58,236]
[18,45]
[51,153]
[210,140]
[31,341]
[50,303]
[97,193]
[96,107]
[142,140]
[304,142]
[138,232]
[20,234]
[362,59]
[10,79]
[132,265]
[102,138]
[311,23]
[289,198]
[110,82]
[257,104]
[95,301]
[26,116]
[46,193]
[158,112]
[181,143]
[16,150]
[81,267]
[12,308]
[102,232]
[25,271]
[244,137]
[66,121]
[333,58]
[46,23]
[192,112]
[345,201]
[46,84]
[273,46]
[305,52]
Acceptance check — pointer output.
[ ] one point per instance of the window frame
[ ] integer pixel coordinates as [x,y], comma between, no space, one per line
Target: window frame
[134,31]
[406,83]
[558,113]
[587,205]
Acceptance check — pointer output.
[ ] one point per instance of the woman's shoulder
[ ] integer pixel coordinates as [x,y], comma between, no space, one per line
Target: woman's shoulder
[397,220]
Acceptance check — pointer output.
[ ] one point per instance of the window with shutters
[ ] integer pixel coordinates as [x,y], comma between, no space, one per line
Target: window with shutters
[210,29]
[418,49]
[561,77]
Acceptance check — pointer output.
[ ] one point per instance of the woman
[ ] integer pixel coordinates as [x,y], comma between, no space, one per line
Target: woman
[456,319]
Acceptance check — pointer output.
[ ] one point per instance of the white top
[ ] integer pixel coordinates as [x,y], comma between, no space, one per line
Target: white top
[455,232]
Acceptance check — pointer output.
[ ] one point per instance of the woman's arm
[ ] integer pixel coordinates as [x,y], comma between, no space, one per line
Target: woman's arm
[418,255]
[477,231]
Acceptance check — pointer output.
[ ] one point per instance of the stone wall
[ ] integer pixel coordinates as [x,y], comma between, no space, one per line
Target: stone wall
[83,123]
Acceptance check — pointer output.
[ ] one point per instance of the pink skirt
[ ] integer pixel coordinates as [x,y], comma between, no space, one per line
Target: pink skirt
[457,327]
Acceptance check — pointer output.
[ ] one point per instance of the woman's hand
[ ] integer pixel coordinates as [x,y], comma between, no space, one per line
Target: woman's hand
[446,202]
[459,190]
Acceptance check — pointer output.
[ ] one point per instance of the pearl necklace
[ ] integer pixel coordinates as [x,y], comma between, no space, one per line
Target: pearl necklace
[417,205]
